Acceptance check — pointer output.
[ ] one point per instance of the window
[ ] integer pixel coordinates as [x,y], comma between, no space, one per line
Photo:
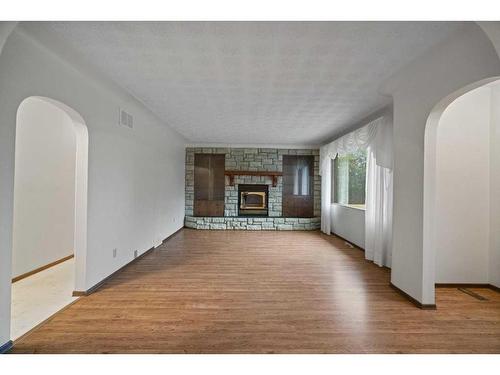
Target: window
[349,179]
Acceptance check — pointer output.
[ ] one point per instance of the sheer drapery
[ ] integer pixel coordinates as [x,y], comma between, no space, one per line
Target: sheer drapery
[377,138]
[378,212]
[358,139]
[326,197]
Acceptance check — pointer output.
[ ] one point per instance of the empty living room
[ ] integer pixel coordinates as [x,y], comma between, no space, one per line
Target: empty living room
[210,179]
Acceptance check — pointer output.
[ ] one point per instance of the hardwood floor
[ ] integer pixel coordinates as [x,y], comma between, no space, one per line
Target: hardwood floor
[264,292]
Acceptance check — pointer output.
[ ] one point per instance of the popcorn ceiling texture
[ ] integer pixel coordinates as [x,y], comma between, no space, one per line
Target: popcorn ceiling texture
[252,159]
[295,83]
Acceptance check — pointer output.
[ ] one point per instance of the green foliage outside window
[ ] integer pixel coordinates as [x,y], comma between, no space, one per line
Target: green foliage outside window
[349,177]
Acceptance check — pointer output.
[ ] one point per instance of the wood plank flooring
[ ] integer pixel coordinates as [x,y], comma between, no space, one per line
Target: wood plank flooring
[264,292]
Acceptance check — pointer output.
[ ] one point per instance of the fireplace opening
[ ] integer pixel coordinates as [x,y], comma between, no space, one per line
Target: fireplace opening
[253,200]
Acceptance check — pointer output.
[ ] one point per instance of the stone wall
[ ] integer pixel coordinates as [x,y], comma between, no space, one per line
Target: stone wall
[251,159]
[256,223]
[275,194]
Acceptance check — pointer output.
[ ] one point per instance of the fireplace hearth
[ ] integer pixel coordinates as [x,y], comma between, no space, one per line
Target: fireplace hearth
[253,200]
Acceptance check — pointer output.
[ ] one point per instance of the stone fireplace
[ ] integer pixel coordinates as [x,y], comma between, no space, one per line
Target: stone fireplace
[259,170]
[252,200]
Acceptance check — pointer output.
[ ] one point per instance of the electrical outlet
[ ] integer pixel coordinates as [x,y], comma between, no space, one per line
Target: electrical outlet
[115,250]
[135,254]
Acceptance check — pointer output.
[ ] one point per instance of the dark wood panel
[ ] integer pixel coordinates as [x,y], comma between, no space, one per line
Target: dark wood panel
[264,292]
[209,184]
[298,196]
[296,206]
[209,208]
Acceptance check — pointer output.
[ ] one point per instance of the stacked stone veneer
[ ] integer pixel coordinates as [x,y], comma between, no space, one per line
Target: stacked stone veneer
[256,223]
[252,159]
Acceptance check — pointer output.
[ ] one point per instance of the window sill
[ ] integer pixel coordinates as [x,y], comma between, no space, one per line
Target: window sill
[354,207]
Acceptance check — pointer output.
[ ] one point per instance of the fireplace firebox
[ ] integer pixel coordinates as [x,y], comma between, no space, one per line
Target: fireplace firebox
[253,200]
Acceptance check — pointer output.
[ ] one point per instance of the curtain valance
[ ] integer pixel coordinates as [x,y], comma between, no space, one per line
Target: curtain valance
[376,134]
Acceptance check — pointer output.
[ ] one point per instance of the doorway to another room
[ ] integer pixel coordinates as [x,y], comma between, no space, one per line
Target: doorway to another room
[462,182]
[50,211]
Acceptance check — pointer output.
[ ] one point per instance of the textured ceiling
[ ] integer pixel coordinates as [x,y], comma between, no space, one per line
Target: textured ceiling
[253,82]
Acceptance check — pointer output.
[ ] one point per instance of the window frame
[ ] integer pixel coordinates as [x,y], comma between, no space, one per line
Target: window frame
[334,190]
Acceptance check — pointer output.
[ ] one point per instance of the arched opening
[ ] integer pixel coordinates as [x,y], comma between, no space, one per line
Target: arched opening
[460,207]
[50,211]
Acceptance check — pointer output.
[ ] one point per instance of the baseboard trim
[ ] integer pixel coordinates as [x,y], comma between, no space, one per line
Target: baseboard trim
[349,242]
[468,285]
[354,246]
[6,347]
[173,234]
[83,293]
[22,337]
[494,287]
[413,300]
[42,268]
[462,285]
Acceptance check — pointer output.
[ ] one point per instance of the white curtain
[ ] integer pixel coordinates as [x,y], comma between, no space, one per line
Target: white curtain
[358,139]
[326,197]
[378,212]
[376,137]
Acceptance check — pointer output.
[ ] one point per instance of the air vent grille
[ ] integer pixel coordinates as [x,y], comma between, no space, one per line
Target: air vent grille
[126,119]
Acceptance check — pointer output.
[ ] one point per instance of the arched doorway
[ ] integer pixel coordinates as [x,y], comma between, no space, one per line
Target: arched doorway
[50,208]
[433,206]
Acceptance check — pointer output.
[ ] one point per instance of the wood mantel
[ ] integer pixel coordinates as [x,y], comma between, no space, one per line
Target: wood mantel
[272,174]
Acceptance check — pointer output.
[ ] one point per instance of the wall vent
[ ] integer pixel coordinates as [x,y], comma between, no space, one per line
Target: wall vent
[125,119]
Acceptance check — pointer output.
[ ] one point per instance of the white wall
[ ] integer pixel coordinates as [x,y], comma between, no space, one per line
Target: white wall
[494,261]
[466,58]
[135,177]
[44,186]
[151,158]
[463,190]
[349,223]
